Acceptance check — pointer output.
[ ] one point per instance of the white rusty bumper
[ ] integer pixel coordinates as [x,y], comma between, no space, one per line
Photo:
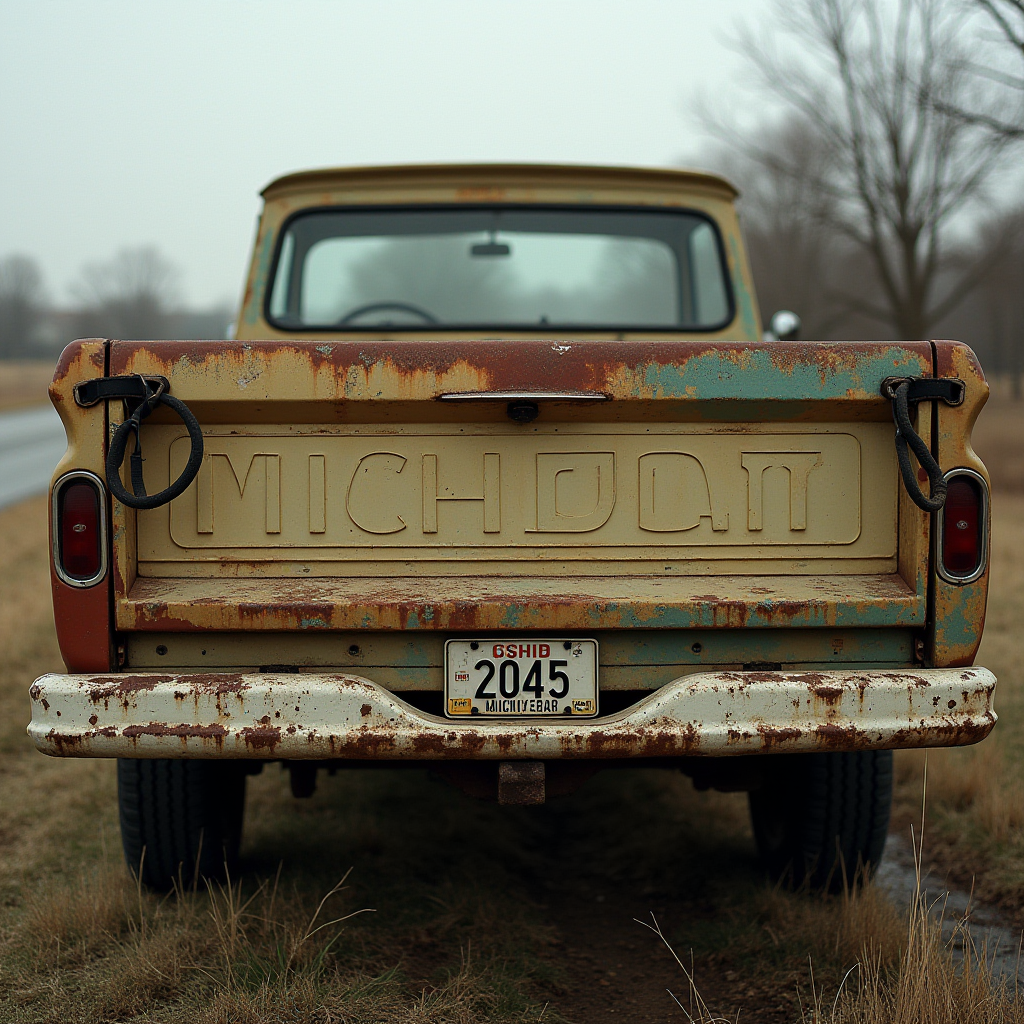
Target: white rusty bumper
[267,715]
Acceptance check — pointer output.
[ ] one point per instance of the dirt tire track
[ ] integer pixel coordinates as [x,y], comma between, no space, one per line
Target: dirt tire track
[619,970]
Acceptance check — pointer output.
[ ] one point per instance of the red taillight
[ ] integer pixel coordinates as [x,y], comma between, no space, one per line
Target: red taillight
[79,531]
[963,528]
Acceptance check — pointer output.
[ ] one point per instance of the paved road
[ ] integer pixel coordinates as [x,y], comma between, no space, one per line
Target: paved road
[32,442]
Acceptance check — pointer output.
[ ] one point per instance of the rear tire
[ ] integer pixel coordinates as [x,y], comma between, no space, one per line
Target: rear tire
[181,820]
[822,819]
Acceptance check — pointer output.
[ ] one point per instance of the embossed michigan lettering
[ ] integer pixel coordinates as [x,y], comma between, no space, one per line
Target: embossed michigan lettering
[490,499]
[317,493]
[575,491]
[272,489]
[675,494]
[797,464]
[368,500]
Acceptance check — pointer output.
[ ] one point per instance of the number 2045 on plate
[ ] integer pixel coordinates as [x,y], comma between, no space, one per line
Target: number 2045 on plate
[528,678]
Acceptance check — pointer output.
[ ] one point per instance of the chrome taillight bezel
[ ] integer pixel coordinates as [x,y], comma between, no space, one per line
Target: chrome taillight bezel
[55,554]
[983,518]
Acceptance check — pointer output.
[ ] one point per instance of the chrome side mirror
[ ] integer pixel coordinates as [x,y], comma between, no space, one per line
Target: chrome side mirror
[785,326]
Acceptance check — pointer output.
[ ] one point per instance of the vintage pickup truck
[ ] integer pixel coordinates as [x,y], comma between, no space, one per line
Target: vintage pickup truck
[500,478]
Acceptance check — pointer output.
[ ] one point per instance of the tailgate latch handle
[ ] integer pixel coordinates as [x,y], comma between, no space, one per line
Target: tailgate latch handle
[141,394]
[901,391]
[522,406]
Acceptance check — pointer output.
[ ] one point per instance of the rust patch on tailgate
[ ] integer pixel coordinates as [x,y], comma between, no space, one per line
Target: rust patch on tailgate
[470,602]
[419,369]
[959,610]
[82,615]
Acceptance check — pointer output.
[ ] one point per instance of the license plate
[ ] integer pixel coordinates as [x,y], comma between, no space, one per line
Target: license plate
[520,678]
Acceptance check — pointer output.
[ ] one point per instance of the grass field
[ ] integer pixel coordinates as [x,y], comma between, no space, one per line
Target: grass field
[461,911]
[24,382]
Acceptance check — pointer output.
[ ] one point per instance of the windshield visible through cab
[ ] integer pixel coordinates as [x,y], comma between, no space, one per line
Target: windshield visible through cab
[508,267]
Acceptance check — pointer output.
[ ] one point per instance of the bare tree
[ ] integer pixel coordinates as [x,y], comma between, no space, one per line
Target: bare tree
[130,296]
[1006,17]
[1001,112]
[21,306]
[875,85]
[993,319]
[785,242]
[797,263]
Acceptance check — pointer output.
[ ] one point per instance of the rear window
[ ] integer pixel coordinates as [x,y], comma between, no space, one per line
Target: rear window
[342,269]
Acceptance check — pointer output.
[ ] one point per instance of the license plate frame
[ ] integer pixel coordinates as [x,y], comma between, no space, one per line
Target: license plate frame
[466,676]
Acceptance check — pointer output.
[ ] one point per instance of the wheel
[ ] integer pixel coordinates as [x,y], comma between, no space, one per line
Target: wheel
[180,820]
[819,819]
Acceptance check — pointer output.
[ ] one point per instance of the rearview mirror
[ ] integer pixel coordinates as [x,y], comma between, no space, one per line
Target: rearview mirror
[785,326]
[490,249]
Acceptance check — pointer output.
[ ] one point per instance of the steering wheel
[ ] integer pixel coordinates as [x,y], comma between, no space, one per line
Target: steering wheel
[401,307]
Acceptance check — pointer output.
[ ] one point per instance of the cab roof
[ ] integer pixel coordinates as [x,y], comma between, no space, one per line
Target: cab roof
[493,177]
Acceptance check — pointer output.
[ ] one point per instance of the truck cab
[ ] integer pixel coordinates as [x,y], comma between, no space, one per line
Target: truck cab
[500,477]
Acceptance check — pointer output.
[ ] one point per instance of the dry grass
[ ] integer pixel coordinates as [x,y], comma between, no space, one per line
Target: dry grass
[871,964]
[932,980]
[981,784]
[99,948]
[462,930]
[80,942]
[23,382]
[836,933]
[998,441]
[976,794]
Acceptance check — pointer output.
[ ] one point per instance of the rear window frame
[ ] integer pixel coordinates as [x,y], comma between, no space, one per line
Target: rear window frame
[532,329]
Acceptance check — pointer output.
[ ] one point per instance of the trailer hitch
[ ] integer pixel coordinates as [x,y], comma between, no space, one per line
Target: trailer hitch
[902,391]
[141,394]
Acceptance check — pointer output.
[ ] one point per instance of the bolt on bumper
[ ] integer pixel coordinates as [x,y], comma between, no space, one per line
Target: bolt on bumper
[322,715]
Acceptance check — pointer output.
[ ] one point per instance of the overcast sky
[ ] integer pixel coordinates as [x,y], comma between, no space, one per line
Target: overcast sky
[128,123]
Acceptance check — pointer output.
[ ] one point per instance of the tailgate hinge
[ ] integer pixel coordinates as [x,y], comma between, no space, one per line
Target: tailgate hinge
[141,394]
[901,391]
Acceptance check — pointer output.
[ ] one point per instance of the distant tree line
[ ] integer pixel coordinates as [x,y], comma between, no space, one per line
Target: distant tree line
[867,203]
[133,295]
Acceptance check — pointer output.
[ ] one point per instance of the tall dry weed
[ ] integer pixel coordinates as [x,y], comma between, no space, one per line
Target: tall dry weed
[918,965]
[900,966]
[934,980]
[692,1003]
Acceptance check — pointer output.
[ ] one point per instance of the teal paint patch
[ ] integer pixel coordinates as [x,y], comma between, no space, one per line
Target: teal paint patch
[960,625]
[723,616]
[314,623]
[758,375]
[823,646]
[512,617]
[597,615]
[738,411]
[413,656]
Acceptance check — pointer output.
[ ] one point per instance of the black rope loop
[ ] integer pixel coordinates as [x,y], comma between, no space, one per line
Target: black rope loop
[907,437]
[132,426]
